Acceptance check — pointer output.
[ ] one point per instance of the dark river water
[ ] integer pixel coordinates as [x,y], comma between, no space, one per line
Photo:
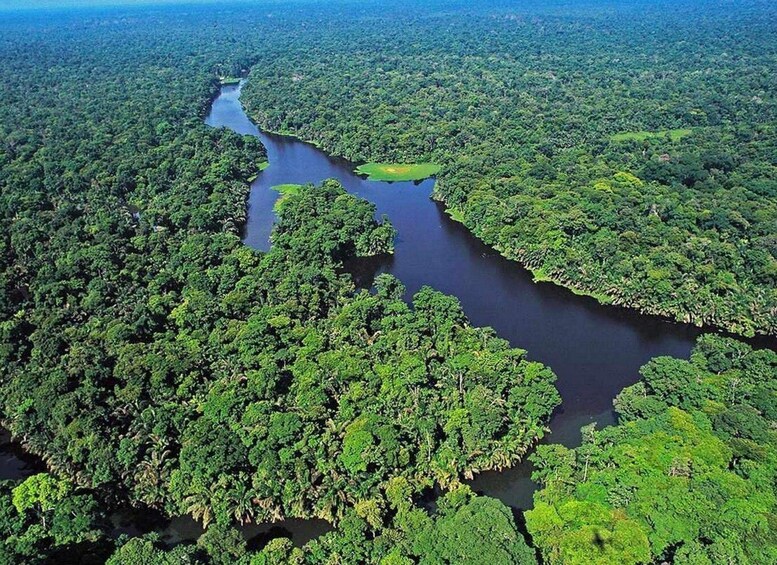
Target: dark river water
[594,350]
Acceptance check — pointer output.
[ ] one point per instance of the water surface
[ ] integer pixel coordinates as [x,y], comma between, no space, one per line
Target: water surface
[595,350]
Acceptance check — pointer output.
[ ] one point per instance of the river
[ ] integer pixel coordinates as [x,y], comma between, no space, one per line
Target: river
[595,350]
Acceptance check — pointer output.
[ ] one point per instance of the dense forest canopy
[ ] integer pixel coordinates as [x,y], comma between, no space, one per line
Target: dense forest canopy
[153,360]
[626,150]
[687,476]
[150,358]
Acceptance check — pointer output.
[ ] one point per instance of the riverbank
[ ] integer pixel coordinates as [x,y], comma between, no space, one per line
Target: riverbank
[594,350]
[646,267]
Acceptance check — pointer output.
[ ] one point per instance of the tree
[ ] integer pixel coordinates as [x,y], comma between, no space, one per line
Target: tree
[683,475]
[40,493]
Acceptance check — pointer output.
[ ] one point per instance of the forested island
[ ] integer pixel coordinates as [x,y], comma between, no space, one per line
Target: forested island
[155,362]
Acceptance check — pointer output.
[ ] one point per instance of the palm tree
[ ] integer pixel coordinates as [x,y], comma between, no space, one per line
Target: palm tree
[198,504]
[242,501]
[152,476]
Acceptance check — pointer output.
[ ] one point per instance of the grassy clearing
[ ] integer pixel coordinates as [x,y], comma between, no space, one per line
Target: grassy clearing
[674,135]
[262,166]
[456,215]
[398,171]
[285,190]
[539,275]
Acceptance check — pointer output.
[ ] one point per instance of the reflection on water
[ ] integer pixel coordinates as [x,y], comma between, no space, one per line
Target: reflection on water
[594,350]
[15,463]
[134,522]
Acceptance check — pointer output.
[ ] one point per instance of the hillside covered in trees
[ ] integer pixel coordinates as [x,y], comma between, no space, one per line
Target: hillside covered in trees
[625,150]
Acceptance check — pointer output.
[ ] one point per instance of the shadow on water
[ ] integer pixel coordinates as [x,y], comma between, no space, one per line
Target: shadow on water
[185,528]
[595,350]
[15,463]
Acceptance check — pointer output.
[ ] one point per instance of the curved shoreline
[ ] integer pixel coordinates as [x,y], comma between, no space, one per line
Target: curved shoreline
[760,337]
[295,161]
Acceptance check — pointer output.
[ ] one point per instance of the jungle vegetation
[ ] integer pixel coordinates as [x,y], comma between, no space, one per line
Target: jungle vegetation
[624,150]
[687,475]
[150,358]
[153,360]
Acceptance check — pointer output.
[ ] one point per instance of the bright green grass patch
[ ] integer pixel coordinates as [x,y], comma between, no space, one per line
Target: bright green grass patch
[262,166]
[601,298]
[541,275]
[674,135]
[229,81]
[285,191]
[398,171]
[456,214]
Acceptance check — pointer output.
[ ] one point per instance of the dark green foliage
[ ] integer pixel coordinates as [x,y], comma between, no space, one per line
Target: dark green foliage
[482,523]
[687,475]
[521,106]
[464,529]
[147,550]
[154,360]
[147,353]
[44,520]
[94,376]
[318,398]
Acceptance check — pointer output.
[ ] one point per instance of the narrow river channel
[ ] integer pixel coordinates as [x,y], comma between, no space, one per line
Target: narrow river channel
[594,350]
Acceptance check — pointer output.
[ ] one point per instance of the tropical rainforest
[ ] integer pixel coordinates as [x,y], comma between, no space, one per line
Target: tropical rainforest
[626,153]
[687,476]
[153,361]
